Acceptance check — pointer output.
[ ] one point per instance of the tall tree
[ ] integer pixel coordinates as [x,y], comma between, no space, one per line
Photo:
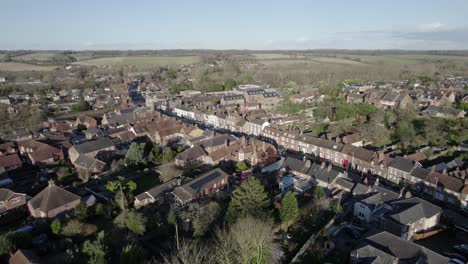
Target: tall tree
[249,240]
[289,208]
[135,154]
[96,250]
[249,199]
[132,221]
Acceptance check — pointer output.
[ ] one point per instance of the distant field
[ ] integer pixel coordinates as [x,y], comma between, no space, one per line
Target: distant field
[273,56]
[16,66]
[141,60]
[336,60]
[36,57]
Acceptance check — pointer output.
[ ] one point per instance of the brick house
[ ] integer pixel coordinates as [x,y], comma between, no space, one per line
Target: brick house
[91,148]
[10,201]
[206,184]
[85,121]
[52,201]
[409,216]
[39,152]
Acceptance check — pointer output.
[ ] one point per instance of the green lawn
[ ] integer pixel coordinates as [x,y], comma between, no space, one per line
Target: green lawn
[141,60]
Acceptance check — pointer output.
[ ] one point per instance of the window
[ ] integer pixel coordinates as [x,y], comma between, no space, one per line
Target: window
[16,200]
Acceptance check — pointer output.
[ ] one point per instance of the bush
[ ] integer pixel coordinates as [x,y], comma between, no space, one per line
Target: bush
[72,228]
[56,226]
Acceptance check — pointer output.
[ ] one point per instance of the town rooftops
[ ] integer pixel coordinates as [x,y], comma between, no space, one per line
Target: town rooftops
[95,145]
[445,181]
[324,174]
[10,160]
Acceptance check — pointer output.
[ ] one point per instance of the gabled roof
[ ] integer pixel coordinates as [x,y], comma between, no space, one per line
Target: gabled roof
[402,164]
[326,174]
[95,145]
[191,153]
[405,251]
[51,198]
[408,211]
[207,179]
[371,255]
[10,160]
[5,194]
[295,164]
[420,173]
[445,181]
[23,256]
[216,141]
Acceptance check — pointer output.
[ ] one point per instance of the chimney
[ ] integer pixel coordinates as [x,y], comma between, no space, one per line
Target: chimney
[444,171]
[243,141]
[263,146]
[304,158]
[226,143]
[433,169]
[329,167]
[51,182]
[308,163]
[322,165]
[376,183]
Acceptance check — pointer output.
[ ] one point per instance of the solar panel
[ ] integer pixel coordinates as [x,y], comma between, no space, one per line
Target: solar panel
[198,184]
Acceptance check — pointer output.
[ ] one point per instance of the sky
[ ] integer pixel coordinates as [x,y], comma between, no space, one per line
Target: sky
[234,24]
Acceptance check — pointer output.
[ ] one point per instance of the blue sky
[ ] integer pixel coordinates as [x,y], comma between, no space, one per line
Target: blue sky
[241,24]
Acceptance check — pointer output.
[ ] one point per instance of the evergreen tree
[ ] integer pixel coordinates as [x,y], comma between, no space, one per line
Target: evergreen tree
[168,154]
[289,208]
[154,157]
[249,199]
[134,154]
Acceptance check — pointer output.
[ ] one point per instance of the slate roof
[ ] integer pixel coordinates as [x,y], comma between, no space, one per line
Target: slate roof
[191,153]
[344,183]
[323,174]
[207,179]
[371,255]
[51,198]
[448,182]
[402,164]
[420,173]
[405,251]
[408,211]
[10,160]
[295,164]
[216,141]
[95,145]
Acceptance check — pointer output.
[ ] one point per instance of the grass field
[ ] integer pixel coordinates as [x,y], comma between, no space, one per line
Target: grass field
[141,60]
[16,67]
[36,57]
